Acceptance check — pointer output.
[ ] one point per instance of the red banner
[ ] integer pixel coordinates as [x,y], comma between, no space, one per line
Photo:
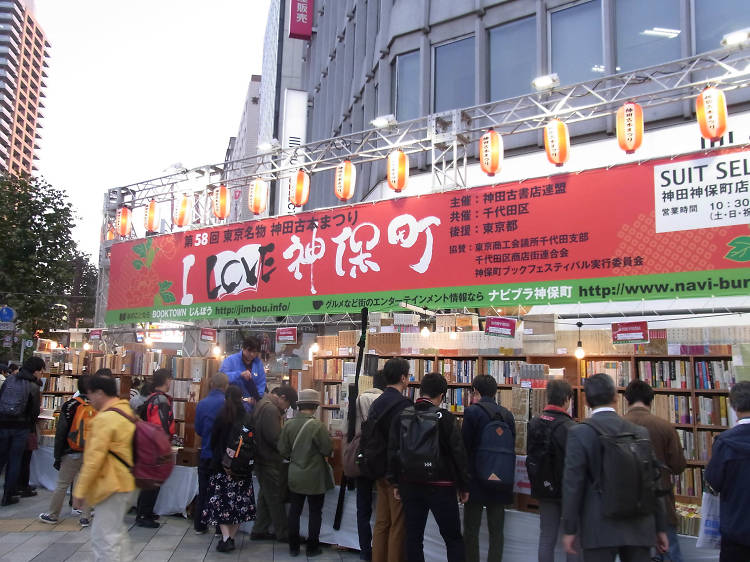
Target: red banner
[208,335]
[583,237]
[301,19]
[501,327]
[630,332]
[286,335]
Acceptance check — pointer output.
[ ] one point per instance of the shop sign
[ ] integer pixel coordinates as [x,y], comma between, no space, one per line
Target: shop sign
[301,19]
[501,327]
[501,245]
[208,335]
[286,335]
[95,335]
[630,332]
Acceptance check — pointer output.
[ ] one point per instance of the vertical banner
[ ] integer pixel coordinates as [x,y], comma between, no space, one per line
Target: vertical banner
[300,19]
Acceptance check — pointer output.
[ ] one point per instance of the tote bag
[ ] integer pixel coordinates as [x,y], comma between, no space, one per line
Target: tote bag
[709,535]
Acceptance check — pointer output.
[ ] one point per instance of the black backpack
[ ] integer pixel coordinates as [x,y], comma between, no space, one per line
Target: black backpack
[419,443]
[628,479]
[545,464]
[14,396]
[240,449]
[495,459]
[372,456]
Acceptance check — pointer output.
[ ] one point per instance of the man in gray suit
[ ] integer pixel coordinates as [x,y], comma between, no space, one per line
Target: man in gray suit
[602,537]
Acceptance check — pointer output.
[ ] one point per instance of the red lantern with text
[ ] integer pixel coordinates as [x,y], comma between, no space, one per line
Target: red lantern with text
[257,196]
[711,111]
[398,170]
[299,188]
[110,234]
[221,202]
[152,217]
[123,221]
[556,142]
[184,212]
[630,127]
[346,180]
[491,152]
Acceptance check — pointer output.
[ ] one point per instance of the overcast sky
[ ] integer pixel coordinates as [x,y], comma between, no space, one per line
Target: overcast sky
[137,86]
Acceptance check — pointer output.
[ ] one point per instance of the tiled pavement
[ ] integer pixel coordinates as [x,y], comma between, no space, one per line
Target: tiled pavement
[23,538]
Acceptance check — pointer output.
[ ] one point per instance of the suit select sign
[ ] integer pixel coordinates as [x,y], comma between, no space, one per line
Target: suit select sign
[500,327]
[630,332]
[286,335]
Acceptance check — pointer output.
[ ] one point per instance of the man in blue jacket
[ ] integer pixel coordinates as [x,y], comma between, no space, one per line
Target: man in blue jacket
[727,474]
[245,369]
[205,415]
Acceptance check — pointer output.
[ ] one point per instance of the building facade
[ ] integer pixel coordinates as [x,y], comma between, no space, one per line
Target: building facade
[411,58]
[23,62]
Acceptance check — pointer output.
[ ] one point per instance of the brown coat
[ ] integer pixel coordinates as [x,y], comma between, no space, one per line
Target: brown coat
[666,445]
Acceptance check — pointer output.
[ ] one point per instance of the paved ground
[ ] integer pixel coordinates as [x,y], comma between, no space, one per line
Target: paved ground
[23,538]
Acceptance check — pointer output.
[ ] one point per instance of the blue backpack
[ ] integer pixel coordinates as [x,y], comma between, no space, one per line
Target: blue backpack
[14,396]
[495,463]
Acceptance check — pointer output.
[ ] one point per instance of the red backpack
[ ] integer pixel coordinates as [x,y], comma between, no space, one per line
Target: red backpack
[152,453]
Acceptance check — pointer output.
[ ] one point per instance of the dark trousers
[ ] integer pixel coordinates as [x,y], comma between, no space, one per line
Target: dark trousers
[627,554]
[146,503]
[314,520]
[419,500]
[364,514]
[24,473]
[204,474]
[12,447]
[733,551]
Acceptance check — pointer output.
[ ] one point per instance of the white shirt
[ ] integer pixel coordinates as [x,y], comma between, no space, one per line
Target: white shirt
[602,409]
[743,421]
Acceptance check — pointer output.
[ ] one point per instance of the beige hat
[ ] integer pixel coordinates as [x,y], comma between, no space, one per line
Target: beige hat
[308,397]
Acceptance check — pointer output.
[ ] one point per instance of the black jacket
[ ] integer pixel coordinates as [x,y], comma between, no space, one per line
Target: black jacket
[220,436]
[67,413]
[31,414]
[727,473]
[452,465]
[538,428]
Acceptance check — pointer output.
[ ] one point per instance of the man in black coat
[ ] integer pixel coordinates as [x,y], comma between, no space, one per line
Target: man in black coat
[603,538]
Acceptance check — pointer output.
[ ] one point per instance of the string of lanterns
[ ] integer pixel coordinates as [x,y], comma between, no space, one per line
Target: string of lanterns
[710,109]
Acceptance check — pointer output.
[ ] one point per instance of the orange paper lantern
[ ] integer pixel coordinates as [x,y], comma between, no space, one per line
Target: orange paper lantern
[398,170]
[491,152]
[630,127]
[346,180]
[711,111]
[556,142]
[110,234]
[221,202]
[152,217]
[184,212]
[257,196]
[299,189]
[123,221]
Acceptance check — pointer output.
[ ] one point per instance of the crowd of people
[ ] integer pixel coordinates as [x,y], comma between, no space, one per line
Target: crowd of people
[604,483]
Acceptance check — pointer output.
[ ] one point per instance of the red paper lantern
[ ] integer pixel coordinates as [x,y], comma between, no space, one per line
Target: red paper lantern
[221,202]
[257,196]
[346,180]
[123,221]
[152,217]
[630,127]
[556,142]
[491,152]
[398,170]
[299,190]
[711,112]
[184,212]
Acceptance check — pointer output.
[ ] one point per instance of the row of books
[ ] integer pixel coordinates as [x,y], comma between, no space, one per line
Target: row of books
[178,408]
[705,442]
[504,372]
[713,374]
[688,518]
[50,402]
[712,410]
[331,395]
[184,389]
[63,383]
[687,440]
[458,370]
[417,368]
[331,369]
[618,370]
[457,399]
[664,374]
[689,482]
[674,408]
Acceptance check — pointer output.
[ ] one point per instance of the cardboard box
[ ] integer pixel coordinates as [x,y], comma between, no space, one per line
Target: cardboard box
[188,456]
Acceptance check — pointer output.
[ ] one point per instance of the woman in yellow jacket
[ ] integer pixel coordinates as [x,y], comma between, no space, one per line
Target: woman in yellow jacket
[104,481]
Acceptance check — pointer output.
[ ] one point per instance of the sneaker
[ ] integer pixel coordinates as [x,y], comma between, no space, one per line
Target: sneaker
[84,522]
[148,523]
[48,518]
[222,546]
[75,511]
[230,544]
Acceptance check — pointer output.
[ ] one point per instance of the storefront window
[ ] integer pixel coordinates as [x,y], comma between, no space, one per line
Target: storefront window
[576,42]
[716,18]
[512,58]
[406,86]
[454,75]
[648,32]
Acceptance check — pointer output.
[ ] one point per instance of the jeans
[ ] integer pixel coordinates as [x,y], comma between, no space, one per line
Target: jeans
[146,503]
[12,447]
[70,466]
[364,514]
[673,554]
[204,474]
[550,513]
[442,501]
[472,523]
[270,507]
[109,535]
[314,521]
[388,534]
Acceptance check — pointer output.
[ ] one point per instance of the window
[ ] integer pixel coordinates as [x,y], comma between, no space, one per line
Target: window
[512,58]
[576,42]
[647,33]
[406,86]
[714,19]
[453,77]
